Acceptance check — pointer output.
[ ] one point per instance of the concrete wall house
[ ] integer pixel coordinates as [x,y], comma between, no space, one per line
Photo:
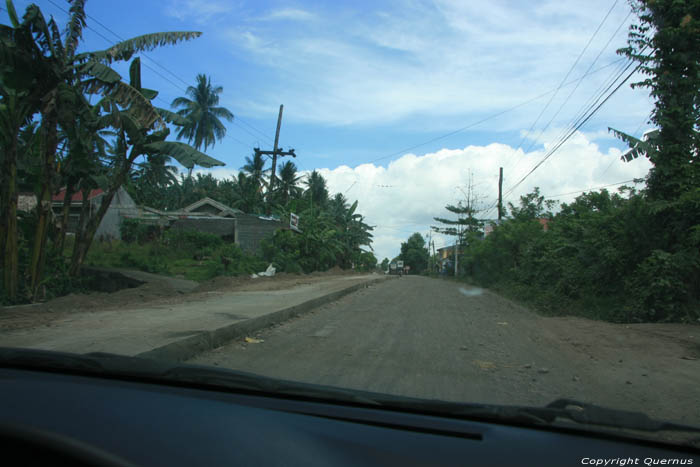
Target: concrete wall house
[211,216]
[252,229]
[122,206]
[211,207]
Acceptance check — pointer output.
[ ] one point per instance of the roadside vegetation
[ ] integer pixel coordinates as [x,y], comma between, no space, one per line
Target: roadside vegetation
[69,121]
[632,256]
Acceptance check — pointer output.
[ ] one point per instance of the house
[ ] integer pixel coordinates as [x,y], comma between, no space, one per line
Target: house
[210,207]
[447,252]
[121,206]
[251,229]
[446,258]
[211,216]
[489,225]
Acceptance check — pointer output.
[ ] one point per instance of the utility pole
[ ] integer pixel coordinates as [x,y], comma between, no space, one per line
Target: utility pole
[276,151]
[457,254]
[500,193]
[430,257]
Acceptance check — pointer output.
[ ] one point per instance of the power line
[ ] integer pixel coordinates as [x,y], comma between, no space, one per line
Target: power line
[591,189]
[492,116]
[583,117]
[597,95]
[572,131]
[577,84]
[573,66]
[577,125]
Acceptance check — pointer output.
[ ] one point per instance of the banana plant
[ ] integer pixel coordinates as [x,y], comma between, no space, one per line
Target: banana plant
[140,132]
[42,73]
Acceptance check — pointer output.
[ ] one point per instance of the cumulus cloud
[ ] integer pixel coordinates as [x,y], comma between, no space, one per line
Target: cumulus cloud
[403,197]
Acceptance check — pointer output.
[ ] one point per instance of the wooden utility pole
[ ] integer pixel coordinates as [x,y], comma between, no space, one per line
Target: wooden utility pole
[430,257]
[500,193]
[457,254]
[276,151]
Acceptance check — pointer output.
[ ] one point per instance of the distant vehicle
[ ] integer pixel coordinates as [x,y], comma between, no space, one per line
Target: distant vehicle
[396,267]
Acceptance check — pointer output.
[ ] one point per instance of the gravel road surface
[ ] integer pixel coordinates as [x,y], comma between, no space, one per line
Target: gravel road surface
[440,339]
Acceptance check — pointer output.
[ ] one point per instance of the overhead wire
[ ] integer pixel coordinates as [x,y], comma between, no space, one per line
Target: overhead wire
[582,117]
[590,189]
[573,66]
[492,116]
[577,125]
[595,60]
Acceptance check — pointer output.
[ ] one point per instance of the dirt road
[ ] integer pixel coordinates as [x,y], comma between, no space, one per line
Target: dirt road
[439,339]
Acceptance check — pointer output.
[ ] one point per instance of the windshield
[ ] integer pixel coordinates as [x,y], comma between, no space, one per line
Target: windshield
[474,202]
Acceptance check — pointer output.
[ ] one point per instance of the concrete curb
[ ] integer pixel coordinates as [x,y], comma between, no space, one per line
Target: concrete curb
[189,347]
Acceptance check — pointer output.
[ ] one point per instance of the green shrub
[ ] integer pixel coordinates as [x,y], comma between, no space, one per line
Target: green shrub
[135,231]
[283,251]
[660,289]
[190,240]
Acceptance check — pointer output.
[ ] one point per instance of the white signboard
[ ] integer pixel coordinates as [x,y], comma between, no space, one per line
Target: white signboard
[294,222]
[399,264]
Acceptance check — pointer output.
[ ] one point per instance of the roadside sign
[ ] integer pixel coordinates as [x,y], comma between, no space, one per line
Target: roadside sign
[294,222]
[399,264]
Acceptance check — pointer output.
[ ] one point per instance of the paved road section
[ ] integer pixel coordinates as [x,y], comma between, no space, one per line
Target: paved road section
[439,339]
[136,331]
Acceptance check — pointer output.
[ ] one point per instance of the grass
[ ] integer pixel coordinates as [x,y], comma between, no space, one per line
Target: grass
[158,258]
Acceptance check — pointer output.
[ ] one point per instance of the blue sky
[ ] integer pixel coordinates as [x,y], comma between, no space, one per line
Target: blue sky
[361,81]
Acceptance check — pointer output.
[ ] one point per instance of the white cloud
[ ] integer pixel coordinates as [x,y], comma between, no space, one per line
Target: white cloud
[199,11]
[293,14]
[428,59]
[405,196]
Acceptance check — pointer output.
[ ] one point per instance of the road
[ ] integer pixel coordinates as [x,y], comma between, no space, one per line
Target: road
[439,339]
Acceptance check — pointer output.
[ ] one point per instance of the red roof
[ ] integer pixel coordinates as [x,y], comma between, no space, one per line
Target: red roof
[77,197]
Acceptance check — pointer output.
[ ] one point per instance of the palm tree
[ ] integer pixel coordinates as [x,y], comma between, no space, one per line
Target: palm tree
[316,188]
[203,127]
[287,184]
[255,168]
[247,197]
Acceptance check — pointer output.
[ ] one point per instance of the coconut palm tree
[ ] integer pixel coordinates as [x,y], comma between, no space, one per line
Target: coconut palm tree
[255,168]
[199,108]
[246,196]
[287,183]
[316,189]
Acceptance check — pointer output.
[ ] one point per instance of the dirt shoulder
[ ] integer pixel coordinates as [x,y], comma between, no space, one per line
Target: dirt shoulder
[156,291]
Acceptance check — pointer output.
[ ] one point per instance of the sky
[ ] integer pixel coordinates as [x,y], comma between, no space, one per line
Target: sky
[400,104]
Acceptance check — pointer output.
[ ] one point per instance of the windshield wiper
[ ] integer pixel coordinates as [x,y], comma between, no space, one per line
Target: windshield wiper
[591,414]
[111,365]
[143,369]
